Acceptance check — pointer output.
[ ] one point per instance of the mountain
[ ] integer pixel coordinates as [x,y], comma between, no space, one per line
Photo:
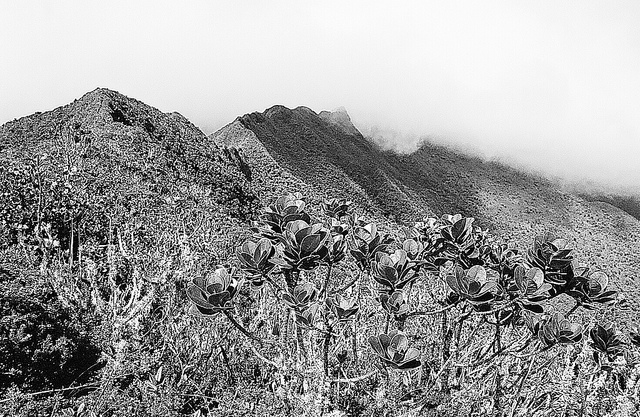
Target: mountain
[97,197]
[628,203]
[325,153]
[129,155]
[110,208]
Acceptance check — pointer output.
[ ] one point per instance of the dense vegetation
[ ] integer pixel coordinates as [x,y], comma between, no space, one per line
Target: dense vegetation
[140,277]
[333,315]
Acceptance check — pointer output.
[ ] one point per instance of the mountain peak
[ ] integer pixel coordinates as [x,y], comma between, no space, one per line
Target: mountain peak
[340,119]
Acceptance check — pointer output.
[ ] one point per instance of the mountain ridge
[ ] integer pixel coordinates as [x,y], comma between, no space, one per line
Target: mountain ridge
[433,180]
[110,209]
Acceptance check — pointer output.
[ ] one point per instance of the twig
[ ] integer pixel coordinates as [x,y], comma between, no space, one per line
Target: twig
[497,310]
[201,396]
[226,361]
[497,404]
[54,391]
[245,331]
[346,287]
[355,379]
[326,281]
[516,399]
[430,313]
[263,359]
[574,308]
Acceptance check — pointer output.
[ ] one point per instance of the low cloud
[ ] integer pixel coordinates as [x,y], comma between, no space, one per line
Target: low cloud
[551,86]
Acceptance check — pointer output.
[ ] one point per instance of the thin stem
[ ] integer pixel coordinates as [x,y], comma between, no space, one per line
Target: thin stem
[355,379]
[325,347]
[225,357]
[497,310]
[498,392]
[348,285]
[244,331]
[521,385]
[275,285]
[53,391]
[325,286]
[430,313]
[263,359]
[300,340]
[574,308]
[354,346]
[446,355]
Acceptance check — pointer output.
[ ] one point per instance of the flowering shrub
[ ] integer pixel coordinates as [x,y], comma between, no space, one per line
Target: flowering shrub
[494,301]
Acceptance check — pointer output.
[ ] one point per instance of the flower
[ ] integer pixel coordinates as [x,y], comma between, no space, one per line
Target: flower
[606,340]
[590,287]
[393,271]
[343,308]
[393,350]
[552,329]
[302,296]
[286,209]
[305,246]
[395,303]
[367,243]
[336,208]
[214,292]
[254,259]
[473,286]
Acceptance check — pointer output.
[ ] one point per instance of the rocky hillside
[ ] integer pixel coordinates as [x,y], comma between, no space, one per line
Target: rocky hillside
[111,211]
[628,203]
[328,153]
[97,199]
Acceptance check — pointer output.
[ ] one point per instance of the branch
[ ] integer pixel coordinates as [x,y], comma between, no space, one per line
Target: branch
[244,331]
[497,310]
[326,281]
[346,287]
[263,359]
[53,391]
[430,313]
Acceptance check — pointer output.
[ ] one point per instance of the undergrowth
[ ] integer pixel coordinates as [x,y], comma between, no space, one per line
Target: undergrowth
[309,311]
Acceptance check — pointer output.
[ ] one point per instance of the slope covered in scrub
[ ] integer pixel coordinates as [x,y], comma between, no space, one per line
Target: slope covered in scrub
[142,274]
[95,196]
[321,151]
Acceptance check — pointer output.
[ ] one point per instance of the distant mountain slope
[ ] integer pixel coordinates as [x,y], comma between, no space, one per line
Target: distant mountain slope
[121,168]
[320,153]
[101,203]
[327,152]
[627,203]
[105,132]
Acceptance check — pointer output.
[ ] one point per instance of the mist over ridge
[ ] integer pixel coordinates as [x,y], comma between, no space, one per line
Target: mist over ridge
[550,86]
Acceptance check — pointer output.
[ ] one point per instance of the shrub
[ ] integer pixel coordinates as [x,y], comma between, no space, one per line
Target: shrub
[372,314]
[42,344]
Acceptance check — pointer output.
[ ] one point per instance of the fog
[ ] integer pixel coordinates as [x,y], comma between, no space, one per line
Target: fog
[552,86]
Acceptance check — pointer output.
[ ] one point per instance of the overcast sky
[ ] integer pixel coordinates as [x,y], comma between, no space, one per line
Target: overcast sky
[552,85]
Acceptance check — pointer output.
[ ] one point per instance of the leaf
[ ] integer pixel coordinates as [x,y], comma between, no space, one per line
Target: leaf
[477,273]
[461,230]
[411,354]
[411,246]
[310,243]
[452,282]
[196,295]
[158,376]
[398,343]
[377,346]
[533,307]
[535,275]
[518,275]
